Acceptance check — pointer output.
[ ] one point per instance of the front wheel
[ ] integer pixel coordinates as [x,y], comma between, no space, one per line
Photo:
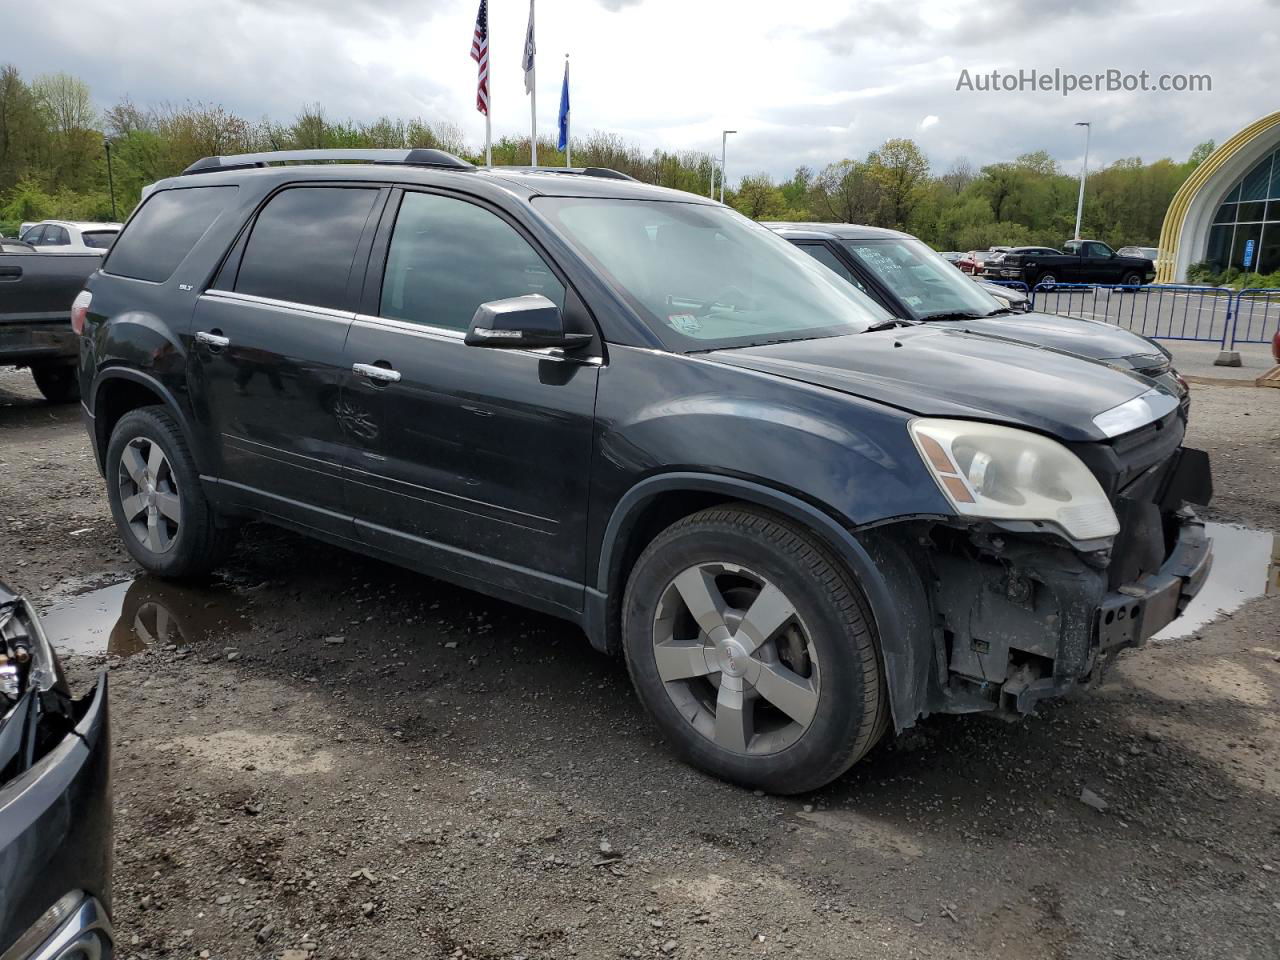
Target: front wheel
[751,646]
[156,499]
[1131,280]
[57,382]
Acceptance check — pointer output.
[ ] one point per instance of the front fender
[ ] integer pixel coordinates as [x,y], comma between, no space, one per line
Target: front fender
[889,581]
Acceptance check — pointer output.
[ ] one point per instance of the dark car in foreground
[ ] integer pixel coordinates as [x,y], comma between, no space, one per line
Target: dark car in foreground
[36,290]
[55,801]
[908,279]
[1081,261]
[801,520]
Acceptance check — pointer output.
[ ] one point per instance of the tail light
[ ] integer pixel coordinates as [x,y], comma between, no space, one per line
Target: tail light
[80,310]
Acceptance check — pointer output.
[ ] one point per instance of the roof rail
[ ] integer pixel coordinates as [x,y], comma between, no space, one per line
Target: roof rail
[605,172]
[417,157]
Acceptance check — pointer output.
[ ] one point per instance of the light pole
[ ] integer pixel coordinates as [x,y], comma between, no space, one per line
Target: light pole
[712,194]
[724,140]
[1084,171]
[111,184]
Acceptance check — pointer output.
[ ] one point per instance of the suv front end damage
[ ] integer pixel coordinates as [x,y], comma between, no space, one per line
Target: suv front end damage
[1019,612]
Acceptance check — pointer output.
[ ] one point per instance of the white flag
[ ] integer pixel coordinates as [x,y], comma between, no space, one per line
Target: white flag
[528,53]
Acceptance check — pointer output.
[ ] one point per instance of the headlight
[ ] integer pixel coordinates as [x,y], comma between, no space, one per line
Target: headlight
[1001,473]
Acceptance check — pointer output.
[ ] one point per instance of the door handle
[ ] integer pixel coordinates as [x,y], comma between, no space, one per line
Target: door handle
[215,341]
[371,371]
[10,273]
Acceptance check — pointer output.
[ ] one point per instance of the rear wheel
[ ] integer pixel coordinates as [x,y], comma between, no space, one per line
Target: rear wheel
[751,647]
[1046,280]
[58,382]
[154,490]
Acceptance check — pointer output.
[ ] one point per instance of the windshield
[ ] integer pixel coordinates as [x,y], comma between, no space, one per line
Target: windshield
[922,280]
[705,277]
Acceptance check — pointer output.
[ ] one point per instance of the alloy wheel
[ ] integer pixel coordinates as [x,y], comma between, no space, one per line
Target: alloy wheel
[149,497]
[735,658]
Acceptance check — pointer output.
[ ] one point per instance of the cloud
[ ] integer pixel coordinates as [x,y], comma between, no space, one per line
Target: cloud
[929,121]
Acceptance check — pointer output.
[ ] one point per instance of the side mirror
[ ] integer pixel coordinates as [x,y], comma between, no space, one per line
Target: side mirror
[528,322]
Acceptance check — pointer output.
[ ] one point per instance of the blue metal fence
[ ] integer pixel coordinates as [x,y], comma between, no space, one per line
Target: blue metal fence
[1166,311]
[1257,316]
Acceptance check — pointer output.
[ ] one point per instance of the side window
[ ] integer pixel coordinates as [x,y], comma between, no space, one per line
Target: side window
[302,245]
[34,234]
[448,256]
[824,256]
[163,231]
[1097,250]
[55,236]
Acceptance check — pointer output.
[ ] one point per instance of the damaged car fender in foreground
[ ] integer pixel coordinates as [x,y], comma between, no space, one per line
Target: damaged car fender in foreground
[55,801]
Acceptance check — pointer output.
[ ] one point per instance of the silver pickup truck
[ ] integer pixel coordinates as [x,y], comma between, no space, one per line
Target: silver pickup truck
[36,290]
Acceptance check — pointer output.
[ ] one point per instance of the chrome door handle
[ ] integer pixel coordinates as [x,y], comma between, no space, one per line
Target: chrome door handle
[212,340]
[372,371]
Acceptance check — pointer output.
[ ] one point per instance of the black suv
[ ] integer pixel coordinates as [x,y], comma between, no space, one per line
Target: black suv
[801,519]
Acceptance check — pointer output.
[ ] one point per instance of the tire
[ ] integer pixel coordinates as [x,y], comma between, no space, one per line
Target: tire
[58,382]
[1046,279]
[158,504]
[722,717]
[1131,280]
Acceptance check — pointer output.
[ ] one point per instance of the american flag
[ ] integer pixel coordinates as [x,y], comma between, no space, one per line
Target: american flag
[480,54]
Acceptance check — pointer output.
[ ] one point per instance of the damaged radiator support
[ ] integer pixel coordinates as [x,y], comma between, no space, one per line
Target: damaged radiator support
[1019,618]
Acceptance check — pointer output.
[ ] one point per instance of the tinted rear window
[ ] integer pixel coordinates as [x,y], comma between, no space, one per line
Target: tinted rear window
[99,239]
[162,233]
[303,243]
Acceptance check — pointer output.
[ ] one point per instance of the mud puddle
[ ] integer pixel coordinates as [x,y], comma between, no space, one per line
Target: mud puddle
[1246,564]
[122,619]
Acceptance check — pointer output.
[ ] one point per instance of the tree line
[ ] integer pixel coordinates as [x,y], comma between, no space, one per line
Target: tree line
[53,163]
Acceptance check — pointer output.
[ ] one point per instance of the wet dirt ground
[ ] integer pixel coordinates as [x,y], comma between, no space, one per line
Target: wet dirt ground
[321,755]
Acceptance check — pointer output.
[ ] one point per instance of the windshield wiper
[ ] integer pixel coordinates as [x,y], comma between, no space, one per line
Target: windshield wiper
[890,324]
[999,313]
[954,315]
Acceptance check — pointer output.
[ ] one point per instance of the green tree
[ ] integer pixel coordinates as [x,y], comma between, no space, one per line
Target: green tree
[901,170]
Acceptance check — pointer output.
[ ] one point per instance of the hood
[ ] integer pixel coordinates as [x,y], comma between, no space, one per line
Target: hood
[943,371]
[1084,338]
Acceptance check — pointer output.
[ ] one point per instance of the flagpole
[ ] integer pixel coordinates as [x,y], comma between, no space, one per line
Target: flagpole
[531,85]
[568,120]
[488,114]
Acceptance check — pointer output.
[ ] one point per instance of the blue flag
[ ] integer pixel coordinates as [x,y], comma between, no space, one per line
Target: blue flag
[563,142]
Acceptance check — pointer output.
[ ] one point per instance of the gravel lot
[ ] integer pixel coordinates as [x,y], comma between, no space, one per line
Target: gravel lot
[323,756]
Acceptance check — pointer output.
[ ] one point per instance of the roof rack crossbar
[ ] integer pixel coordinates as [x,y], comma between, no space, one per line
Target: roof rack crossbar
[604,172]
[417,157]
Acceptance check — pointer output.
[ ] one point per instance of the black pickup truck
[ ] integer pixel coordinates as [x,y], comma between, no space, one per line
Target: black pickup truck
[36,290]
[1081,261]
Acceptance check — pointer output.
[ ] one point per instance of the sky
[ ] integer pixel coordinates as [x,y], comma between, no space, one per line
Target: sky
[802,83]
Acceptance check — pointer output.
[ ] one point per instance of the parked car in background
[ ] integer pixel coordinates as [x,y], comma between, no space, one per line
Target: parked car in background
[68,236]
[951,256]
[801,519]
[909,280]
[1013,298]
[1081,261]
[36,292]
[991,268]
[55,801]
[1146,253]
[972,262]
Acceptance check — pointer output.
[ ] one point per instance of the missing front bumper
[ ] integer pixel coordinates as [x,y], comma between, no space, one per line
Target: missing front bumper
[1022,619]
